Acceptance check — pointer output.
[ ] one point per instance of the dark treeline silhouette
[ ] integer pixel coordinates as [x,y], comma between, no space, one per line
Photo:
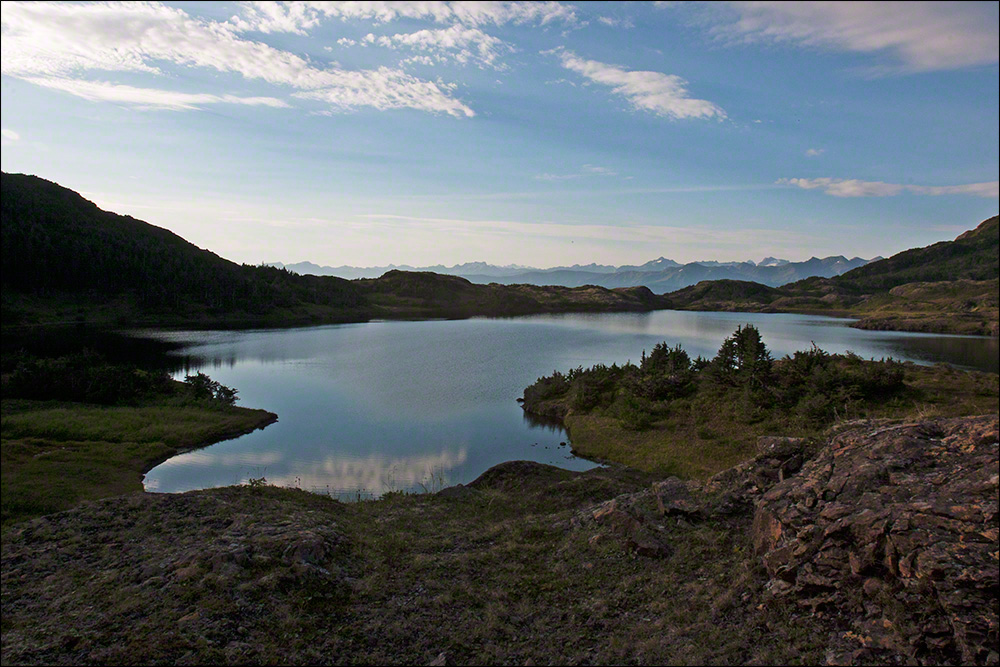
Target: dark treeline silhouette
[56,242]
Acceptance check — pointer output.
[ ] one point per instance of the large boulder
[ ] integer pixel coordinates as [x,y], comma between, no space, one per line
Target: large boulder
[895,527]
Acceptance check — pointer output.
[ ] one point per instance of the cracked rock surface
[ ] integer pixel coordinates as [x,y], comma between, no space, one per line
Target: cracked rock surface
[898,527]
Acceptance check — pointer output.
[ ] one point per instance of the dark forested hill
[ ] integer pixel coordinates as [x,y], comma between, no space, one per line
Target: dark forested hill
[57,246]
[424,294]
[971,256]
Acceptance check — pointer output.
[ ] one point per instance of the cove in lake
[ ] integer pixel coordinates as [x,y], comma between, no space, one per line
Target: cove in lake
[368,408]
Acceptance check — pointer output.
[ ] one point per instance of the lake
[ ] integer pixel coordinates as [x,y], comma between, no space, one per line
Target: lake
[381,406]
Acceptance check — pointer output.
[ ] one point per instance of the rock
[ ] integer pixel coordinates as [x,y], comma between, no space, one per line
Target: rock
[675,497]
[778,458]
[906,512]
[439,661]
[457,491]
[647,543]
[621,518]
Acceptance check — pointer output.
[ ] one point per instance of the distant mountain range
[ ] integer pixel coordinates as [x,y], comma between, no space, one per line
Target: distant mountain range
[659,275]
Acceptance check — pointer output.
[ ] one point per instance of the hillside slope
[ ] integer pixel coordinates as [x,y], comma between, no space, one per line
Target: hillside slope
[947,287]
[61,253]
[421,294]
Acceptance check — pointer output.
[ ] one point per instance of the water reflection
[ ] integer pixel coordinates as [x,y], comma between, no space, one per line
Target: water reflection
[366,407]
[337,475]
[540,422]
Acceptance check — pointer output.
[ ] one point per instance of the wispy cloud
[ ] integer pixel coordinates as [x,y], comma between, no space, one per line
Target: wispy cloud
[918,36]
[585,170]
[386,88]
[8,136]
[297,17]
[62,41]
[555,177]
[815,152]
[665,235]
[459,43]
[148,98]
[663,94]
[614,22]
[843,187]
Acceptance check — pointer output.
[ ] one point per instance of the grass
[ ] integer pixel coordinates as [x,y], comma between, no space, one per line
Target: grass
[702,435]
[500,576]
[55,455]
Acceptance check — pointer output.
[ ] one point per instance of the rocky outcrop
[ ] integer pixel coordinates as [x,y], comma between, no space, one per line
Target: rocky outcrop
[887,533]
[894,528]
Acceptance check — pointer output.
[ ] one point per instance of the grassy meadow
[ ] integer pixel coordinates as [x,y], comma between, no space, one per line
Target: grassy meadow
[57,454]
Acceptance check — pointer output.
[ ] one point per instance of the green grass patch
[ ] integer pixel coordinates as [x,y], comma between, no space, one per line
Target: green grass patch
[55,455]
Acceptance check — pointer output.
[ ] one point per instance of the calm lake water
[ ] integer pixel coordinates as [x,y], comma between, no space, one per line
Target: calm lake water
[367,408]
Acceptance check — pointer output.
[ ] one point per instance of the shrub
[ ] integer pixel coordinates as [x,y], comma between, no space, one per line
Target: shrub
[84,377]
[204,388]
[633,413]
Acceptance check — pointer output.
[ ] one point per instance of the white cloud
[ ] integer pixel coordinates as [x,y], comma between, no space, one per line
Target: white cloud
[613,22]
[345,41]
[919,36]
[461,43]
[297,17]
[266,17]
[663,94]
[555,177]
[841,187]
[9,136]
[585,170]
[386,88]
[148,98]
[61,41]
[815,152]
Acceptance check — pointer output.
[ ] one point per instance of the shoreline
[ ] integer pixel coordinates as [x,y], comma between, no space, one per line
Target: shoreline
[266,421]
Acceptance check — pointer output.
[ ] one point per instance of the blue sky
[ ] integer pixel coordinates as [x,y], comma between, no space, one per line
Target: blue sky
[547,133]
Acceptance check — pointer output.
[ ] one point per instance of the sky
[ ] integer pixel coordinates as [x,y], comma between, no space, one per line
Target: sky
[529,133]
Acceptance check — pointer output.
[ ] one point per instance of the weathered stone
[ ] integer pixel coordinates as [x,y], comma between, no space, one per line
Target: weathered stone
[674,497]
[913,508]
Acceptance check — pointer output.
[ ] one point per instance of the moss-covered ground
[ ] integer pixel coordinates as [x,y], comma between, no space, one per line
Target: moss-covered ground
[499,575]
[56,454]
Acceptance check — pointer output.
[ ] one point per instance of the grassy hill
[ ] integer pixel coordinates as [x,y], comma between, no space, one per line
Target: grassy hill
[947,287]
[65,260]
[423,294]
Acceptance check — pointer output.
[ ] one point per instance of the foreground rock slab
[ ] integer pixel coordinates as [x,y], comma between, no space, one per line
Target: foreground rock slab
[895,527]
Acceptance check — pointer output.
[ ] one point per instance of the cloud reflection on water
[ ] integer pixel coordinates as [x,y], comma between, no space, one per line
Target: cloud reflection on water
[336,474]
